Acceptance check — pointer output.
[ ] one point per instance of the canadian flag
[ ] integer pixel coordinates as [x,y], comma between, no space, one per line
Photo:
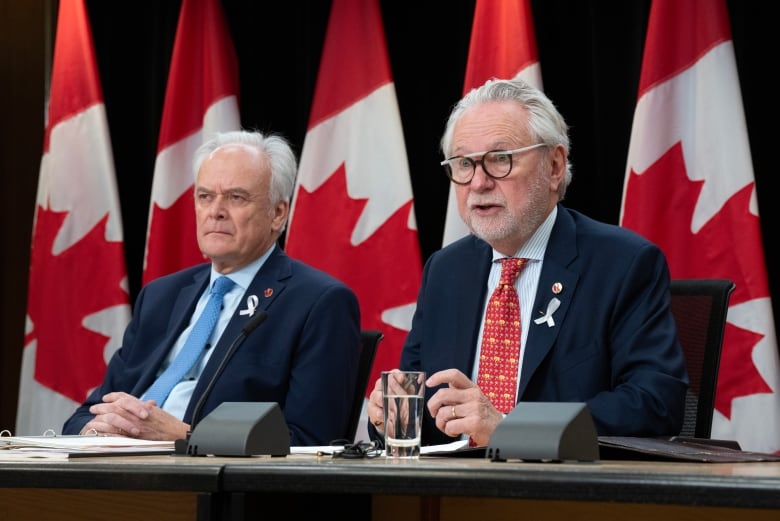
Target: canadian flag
[353,212]
[78,302]
[689,188]
[503,45]
[201,98]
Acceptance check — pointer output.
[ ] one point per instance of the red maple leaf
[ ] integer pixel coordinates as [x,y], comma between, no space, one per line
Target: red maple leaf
[659,204]
[384,271]
[64,289]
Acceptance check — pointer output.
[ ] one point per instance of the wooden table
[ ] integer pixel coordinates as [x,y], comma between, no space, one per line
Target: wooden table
[431,488]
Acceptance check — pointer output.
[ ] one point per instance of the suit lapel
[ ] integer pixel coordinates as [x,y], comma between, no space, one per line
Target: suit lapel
[470,278]
[556,281]
[181,311]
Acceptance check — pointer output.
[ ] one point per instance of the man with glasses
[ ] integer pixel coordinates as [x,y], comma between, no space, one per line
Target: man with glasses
[594,323]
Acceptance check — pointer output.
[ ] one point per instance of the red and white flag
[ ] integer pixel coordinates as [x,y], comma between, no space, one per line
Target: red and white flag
[690,188]
[78,301]
[201,98]
[503,45]
[353,212]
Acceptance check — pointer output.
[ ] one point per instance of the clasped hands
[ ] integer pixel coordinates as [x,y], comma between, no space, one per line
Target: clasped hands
[121,414]
[459,407]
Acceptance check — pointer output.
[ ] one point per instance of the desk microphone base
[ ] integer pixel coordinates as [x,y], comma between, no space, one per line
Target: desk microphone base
[239,429]
[545,431]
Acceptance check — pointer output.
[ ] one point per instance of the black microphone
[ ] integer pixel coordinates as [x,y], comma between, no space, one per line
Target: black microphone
[181,446]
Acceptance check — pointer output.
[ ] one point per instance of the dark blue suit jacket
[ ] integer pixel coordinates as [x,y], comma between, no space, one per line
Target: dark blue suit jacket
[304,356]
[614,343]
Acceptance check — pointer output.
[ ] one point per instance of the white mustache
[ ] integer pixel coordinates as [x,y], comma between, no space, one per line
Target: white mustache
[476,201]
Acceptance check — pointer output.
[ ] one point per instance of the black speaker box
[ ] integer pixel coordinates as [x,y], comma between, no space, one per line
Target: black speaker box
[545,431]
[241,429]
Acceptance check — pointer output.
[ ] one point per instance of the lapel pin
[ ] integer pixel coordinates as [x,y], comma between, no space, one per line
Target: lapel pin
[552,307]
[557,288]
[268,292]
[251,306]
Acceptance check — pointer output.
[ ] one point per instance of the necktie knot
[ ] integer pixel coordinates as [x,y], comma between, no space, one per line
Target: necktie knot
[222,285]
[510,269]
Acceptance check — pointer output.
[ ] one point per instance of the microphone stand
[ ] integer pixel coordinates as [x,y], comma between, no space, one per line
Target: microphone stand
[181,446]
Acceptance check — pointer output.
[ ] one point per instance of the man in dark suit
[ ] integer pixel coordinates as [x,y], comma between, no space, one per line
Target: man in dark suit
[595,325]
[303,357]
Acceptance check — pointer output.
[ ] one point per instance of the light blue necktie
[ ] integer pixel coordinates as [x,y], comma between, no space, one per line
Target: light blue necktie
[194,345]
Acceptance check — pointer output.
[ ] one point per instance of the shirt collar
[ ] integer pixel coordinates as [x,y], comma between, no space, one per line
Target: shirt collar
[244,276]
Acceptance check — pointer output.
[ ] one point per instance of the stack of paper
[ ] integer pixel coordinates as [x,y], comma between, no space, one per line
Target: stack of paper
[63,447]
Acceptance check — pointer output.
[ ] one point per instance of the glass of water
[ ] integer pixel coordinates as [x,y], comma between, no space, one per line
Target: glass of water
[403,395]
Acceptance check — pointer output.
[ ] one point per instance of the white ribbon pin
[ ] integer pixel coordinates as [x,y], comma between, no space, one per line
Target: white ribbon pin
[552,307]
[251,306]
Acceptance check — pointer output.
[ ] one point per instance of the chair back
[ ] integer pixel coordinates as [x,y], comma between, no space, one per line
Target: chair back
[700,307]
[370,340]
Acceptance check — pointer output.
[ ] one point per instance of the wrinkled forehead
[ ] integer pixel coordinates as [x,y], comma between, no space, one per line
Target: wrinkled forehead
[492,125]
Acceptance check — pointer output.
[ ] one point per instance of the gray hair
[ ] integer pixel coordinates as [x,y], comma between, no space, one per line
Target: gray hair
[545,124]
[284,165]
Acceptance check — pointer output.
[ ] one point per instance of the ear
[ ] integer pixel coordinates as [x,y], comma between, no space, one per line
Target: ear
[557,162]
[281,211]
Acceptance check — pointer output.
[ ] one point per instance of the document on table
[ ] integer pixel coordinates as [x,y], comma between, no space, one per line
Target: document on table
[63,447]
[679,448]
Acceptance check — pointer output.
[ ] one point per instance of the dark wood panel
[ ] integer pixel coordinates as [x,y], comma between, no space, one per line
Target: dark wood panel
[86,505]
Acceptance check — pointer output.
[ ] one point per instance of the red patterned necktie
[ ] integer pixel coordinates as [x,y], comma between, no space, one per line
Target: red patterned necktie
[500,354]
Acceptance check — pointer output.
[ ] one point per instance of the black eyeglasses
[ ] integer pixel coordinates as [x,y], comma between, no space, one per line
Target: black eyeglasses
[496,164]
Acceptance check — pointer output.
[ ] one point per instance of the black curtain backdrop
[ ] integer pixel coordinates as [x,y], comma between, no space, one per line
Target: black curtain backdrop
[590,53]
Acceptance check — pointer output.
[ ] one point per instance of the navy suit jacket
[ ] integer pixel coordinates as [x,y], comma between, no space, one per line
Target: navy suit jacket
[614,344]
[303,357]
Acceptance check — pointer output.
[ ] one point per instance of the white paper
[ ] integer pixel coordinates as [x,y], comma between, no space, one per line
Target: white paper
[426,449]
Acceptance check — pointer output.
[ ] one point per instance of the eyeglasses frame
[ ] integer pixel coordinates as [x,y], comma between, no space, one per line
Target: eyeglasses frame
[472,158]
